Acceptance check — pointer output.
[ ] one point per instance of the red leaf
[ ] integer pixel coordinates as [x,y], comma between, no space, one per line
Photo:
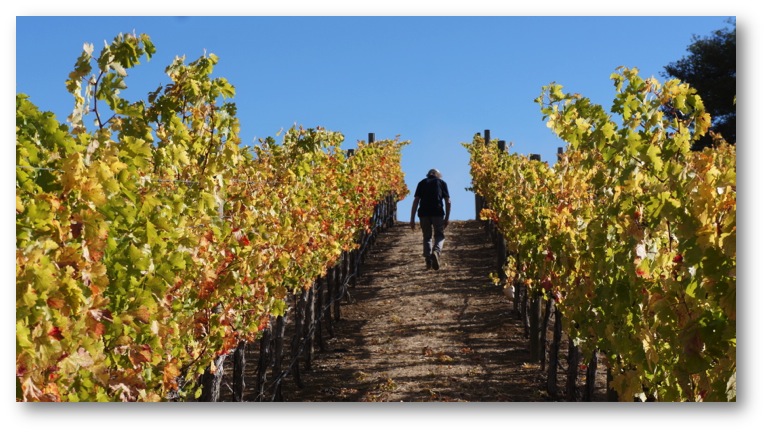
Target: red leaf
[76,228]
[55,332]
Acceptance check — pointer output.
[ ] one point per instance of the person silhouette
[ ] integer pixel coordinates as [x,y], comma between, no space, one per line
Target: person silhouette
[430,194]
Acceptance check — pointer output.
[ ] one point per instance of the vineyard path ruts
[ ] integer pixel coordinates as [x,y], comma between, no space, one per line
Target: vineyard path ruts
[412,334]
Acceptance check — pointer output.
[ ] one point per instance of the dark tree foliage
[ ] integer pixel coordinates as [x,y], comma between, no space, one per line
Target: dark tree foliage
[710,69]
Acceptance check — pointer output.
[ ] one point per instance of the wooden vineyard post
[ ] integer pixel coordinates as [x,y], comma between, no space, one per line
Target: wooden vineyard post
[278,337]
[525,311]
[346,275]
[318,316]
[264,359]
[479,202]
[374,224]
[211,381]
[500,241]
[591,378]
[501,256]
[612,394]
[362,250]
[327,305]
[238,373]
[551,382]
[298,337]
[338,292]
[544,333]
[353,264]
[535,328]
[392,217]
[309,324]
[518,288]
[482,203]
[573,362]
[535,157]
[476,198]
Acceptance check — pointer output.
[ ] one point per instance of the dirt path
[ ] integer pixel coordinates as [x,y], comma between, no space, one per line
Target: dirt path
[417,335]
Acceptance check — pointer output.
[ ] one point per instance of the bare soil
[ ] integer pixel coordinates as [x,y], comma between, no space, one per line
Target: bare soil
[414,335]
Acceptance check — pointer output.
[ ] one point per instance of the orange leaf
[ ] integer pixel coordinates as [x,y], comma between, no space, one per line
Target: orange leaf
[55,303]
[169,375]
[97,328]
[141,355]
[143,314]
[51,393]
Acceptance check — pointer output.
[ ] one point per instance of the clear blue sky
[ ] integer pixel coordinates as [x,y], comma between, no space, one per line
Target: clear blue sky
[435,82]
[432,80]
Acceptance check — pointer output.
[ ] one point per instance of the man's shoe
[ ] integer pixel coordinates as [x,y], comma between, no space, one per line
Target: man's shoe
[428,263]
[435,261]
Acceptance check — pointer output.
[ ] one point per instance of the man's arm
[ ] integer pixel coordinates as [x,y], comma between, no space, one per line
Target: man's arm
[447,211]
[412,212]
[446,194]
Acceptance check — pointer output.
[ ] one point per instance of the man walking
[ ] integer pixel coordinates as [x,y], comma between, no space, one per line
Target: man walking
[429,194]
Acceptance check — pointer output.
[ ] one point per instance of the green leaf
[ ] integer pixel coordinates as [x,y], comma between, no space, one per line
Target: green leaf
[284,260]
[654,158]
[151,202]
[151,234]
[178,261]
[23,336]
[278,308]
[608,130]
[207,202]
[695,363]
[134,253]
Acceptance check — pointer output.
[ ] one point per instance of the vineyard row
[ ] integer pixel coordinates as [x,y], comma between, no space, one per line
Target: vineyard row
[131,289]
[629,235]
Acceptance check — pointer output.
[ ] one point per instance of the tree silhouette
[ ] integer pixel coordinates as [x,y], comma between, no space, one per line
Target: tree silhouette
[710,68]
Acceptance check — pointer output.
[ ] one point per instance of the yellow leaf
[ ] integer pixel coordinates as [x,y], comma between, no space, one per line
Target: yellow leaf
[280,292]
[82,358]
[650,353]
[72,168]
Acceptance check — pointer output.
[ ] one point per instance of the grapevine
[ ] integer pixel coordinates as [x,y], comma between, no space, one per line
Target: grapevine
[630,232]
[153,242]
